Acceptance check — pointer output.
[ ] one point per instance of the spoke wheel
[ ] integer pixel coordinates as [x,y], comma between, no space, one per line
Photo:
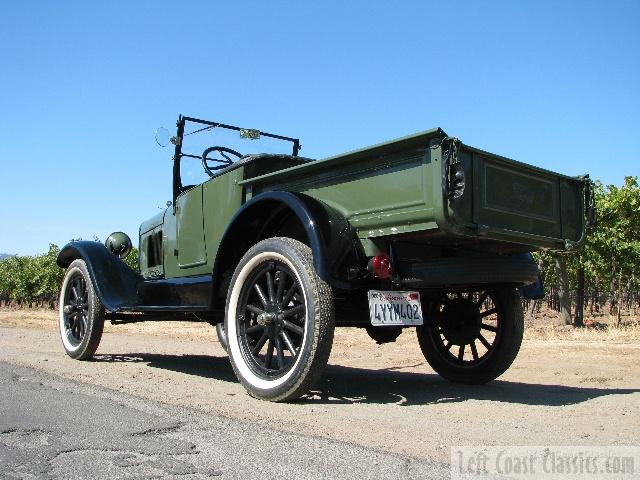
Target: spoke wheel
[279,320]
[81,313]
[76,309]
[271,319]
[472,337]
[467,326]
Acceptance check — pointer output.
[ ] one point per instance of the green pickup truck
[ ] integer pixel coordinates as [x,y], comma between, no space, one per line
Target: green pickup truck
[276,250]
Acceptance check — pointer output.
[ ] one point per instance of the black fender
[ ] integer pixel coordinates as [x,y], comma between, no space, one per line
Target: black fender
[337,254]
[114,281]
[535,290]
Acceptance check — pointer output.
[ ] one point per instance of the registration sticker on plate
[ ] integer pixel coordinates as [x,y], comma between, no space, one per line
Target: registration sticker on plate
[395,308]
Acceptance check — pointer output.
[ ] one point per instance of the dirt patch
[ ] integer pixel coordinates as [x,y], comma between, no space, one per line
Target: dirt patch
[572,389]
[601,332]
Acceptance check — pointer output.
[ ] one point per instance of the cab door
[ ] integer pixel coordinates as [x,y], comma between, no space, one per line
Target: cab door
[190,229]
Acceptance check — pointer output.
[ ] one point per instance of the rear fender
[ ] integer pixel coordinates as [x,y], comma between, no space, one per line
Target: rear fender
[337,253]
[535,290]
[114,281]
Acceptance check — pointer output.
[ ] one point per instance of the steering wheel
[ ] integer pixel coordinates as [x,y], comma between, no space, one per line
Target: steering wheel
[225,163]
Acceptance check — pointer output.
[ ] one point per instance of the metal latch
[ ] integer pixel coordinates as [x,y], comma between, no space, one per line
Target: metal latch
[453,177]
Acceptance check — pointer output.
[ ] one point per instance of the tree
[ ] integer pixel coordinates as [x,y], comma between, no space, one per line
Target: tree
[564,318]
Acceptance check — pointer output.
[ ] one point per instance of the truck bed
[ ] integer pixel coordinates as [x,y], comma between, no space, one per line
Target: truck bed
[416,188]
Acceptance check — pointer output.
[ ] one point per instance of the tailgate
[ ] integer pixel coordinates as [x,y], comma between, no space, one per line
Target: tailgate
[531,205]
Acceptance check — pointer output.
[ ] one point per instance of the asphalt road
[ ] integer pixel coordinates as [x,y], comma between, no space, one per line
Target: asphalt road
[54,427]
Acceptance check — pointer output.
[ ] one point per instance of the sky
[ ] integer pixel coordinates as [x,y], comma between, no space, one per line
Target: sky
[84,85]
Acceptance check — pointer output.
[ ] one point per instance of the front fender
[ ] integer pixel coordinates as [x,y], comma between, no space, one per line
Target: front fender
[114,281]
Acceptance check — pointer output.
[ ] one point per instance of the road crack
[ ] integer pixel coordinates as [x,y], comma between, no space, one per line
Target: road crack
[159,430]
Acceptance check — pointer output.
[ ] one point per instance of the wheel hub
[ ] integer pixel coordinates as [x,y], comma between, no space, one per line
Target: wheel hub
[73,306]
[462,321]
[266,318]
[271,319]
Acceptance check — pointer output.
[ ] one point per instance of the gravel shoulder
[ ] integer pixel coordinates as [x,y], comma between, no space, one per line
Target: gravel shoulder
[383,397]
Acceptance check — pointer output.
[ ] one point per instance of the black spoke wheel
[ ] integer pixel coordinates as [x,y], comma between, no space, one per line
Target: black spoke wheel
[271,318]
[279,320]
[472,337]
[81,313]
[76,308]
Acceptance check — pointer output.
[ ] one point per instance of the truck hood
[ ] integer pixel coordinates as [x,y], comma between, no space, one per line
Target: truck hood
[152,222]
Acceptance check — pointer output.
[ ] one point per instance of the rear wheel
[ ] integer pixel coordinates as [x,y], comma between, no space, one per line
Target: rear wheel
[472,337]
[279,320]
[81,313]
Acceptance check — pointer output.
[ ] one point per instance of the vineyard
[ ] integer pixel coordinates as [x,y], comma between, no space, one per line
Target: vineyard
[34,281]
[602,278]
[599,280]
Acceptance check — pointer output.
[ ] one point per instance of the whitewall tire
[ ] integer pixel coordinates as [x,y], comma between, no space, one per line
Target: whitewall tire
[279,320]
[81,314]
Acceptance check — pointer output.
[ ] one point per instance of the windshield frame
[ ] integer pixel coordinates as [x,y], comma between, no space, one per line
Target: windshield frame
[180,134]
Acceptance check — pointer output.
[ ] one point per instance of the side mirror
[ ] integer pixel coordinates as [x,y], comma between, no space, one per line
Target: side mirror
[163,138]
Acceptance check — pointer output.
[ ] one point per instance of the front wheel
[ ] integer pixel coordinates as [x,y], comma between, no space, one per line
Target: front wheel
[81,313]
[222,336]
[279,320]
[472,337]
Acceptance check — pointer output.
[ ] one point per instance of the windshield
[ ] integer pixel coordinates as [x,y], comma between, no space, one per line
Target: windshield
[196,140]
[223,145]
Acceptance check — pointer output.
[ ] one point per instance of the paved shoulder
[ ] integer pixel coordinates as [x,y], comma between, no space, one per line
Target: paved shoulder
[52,427]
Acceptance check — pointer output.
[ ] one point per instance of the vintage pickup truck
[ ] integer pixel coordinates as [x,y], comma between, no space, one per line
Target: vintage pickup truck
[277,250]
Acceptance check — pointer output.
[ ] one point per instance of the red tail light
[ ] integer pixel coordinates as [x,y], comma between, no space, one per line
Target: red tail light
[380,266]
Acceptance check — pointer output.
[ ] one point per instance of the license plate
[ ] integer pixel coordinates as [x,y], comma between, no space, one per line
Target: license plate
[395,308]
